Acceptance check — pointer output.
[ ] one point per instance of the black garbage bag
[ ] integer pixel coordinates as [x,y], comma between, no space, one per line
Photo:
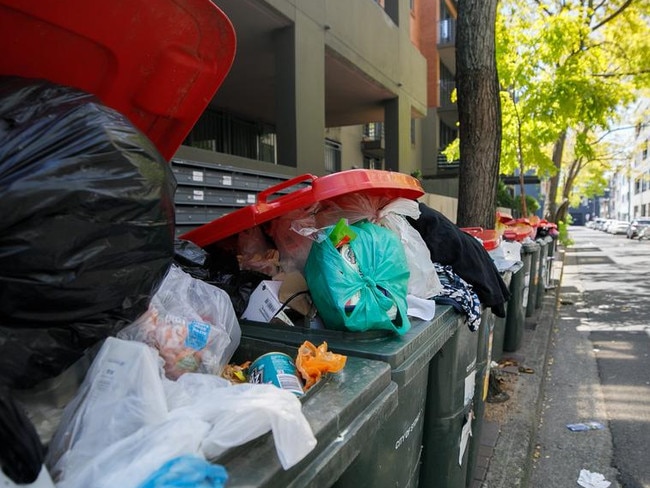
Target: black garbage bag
[449,245]
[86,225]
[192,259]
[225,274]
[21,450]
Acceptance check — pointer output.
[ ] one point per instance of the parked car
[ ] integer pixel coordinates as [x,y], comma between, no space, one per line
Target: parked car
[618,227]
[635,227]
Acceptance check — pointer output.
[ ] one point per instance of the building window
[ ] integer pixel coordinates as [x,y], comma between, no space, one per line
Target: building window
[222,132]
[332,156]
[374,131]
[644,154]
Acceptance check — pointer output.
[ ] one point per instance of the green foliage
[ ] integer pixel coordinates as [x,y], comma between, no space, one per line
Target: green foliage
[567,66]
[563,232]
[507,200]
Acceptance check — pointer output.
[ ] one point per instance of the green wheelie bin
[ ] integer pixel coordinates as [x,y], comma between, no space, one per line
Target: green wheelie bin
[483,359]
[448,422]
[344,410]
[532,277]
[518,303]
[544,243]
[393,456]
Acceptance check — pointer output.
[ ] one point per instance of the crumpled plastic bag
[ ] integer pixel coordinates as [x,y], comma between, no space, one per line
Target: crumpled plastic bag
[312,362]
[587,479]
[423,279]
[191,323]
[127,420]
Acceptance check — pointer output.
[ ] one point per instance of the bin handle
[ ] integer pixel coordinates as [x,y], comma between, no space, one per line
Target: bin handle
[264,194]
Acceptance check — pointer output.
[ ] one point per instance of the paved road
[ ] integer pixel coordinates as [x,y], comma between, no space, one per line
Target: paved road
[600,366]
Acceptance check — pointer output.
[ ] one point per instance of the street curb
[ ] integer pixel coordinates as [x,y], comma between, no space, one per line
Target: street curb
[512,460]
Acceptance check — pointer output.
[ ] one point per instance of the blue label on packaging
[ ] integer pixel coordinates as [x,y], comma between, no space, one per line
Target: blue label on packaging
[197,335]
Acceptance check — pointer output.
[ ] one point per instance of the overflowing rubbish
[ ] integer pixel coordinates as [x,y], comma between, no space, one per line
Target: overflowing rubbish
[128,419]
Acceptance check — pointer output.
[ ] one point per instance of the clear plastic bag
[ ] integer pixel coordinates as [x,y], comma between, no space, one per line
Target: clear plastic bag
[191,323]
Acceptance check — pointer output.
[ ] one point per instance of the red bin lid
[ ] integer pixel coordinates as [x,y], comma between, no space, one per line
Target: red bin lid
[158,62]
[373,182]
[489,237]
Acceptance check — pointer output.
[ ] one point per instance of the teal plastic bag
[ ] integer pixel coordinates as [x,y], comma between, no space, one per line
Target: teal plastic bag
[368,294]
[187,472]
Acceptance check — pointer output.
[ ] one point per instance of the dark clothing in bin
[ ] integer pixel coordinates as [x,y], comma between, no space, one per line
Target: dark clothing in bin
[449,245]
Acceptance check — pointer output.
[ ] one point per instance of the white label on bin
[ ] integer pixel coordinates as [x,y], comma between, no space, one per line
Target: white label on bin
[197,175]
[240,201]
[470,385]
[251,198]
[408,431]
[197,195]
[524,300]
[227,181]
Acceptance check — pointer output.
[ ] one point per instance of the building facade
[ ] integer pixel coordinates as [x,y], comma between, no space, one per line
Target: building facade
[322,86]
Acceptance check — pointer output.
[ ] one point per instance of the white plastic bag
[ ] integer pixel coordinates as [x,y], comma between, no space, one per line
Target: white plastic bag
[121,394]
[240,413]
[423,280]
[128,419]
[191,323]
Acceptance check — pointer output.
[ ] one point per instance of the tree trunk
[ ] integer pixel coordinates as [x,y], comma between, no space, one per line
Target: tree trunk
[550,208]
[479,113]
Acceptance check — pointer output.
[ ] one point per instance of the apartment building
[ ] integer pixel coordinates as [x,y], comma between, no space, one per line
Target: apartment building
[318,87]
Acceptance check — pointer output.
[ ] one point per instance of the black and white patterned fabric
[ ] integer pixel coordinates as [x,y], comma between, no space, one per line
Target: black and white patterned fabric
[459,294]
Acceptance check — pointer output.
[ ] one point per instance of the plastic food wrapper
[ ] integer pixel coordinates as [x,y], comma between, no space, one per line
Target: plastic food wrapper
[257,253]
[191,323]
[86,226]
[363,284]
[312,362]
[187,472]
[290,233]
[127,420]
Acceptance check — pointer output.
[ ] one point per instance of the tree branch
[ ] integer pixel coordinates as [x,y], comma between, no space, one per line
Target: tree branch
[613,15]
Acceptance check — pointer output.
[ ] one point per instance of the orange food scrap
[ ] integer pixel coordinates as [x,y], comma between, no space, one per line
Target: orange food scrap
[313,361]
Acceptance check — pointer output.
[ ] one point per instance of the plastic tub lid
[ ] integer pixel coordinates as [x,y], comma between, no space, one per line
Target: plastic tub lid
[158,62]
[373,182]
[490,238]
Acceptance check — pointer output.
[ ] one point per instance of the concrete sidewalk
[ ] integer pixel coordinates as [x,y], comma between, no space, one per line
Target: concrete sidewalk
[531,446]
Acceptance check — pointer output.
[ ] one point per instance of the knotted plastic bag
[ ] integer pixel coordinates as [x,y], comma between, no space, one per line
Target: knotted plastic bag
[364,287]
